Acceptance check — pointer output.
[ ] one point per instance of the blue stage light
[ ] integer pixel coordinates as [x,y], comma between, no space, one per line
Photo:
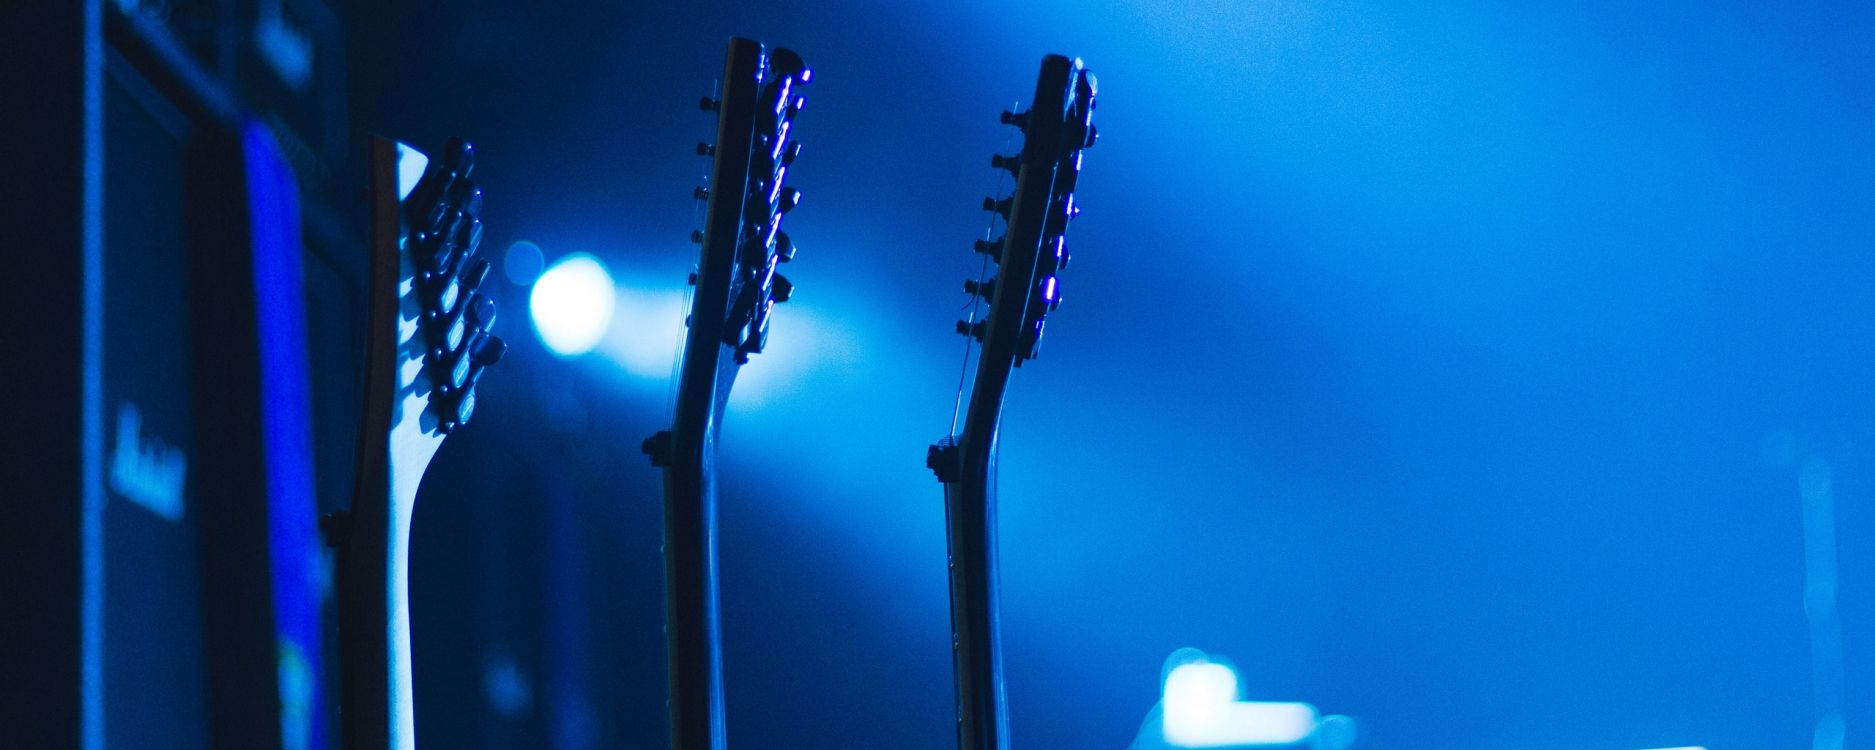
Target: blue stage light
[572,304]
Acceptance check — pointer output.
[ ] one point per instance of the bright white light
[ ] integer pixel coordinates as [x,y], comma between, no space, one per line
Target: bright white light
[572,304]
[1198,697]
[1200,709]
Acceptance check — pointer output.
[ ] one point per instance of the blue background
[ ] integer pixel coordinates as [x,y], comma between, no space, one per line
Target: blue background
[1446,365]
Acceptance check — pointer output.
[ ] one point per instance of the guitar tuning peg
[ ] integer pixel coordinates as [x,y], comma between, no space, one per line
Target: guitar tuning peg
[459,156]
[973,330]
[1093,134]
[980,288]
[700,193]
[473,276]
[1001,207]
[445,300]
[452,338]
[1018,119]
[1051,293]
[466,196]
[480,311]
[782,289]
[992,248]
[784,247]
[1011,163]
[1031,343]
[705,149]
[789,153]
[436,252]
[454,364]
[454,287]
[468,235]
[693,279]
[459,411]
[708,104]
[439,215]
[488,351]
[696,236]
[484,353]
[790,198]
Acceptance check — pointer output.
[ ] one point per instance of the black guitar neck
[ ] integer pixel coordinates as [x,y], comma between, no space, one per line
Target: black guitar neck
[1025,288]
[736,288]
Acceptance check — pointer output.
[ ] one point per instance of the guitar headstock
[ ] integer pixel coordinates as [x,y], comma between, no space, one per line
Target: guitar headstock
[743,243]
[1033,251]
[442,319]
[428,344]
[453,318]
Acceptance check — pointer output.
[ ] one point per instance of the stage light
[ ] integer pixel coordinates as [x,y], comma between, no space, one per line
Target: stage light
[572,304]
[1198,697]
[1200,708]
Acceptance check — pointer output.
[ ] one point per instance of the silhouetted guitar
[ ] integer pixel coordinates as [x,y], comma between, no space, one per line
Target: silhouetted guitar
[1023,291]
[429,343]
[736,288]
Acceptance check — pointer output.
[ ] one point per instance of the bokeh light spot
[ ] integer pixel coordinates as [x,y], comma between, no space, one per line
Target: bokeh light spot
[523,263]
[572,304]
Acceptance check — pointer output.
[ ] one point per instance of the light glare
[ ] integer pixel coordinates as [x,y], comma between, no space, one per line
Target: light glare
[572,304]
[1201,709]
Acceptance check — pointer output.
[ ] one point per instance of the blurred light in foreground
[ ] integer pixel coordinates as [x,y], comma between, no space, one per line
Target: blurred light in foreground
[572,304]
[1200,709]
[523,262]
[1198,697]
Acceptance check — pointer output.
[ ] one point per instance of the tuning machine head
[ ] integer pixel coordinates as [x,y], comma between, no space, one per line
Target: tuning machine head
[1011,163]
[444,230]
[999,207]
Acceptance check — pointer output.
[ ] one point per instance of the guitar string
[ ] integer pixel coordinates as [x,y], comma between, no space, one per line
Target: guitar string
[989,231]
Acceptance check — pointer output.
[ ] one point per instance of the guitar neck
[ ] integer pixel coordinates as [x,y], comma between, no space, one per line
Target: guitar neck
[690,600]
[688,454]
[1022,292]
[976,625]
[737,287]
[376,707]
[399,437]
